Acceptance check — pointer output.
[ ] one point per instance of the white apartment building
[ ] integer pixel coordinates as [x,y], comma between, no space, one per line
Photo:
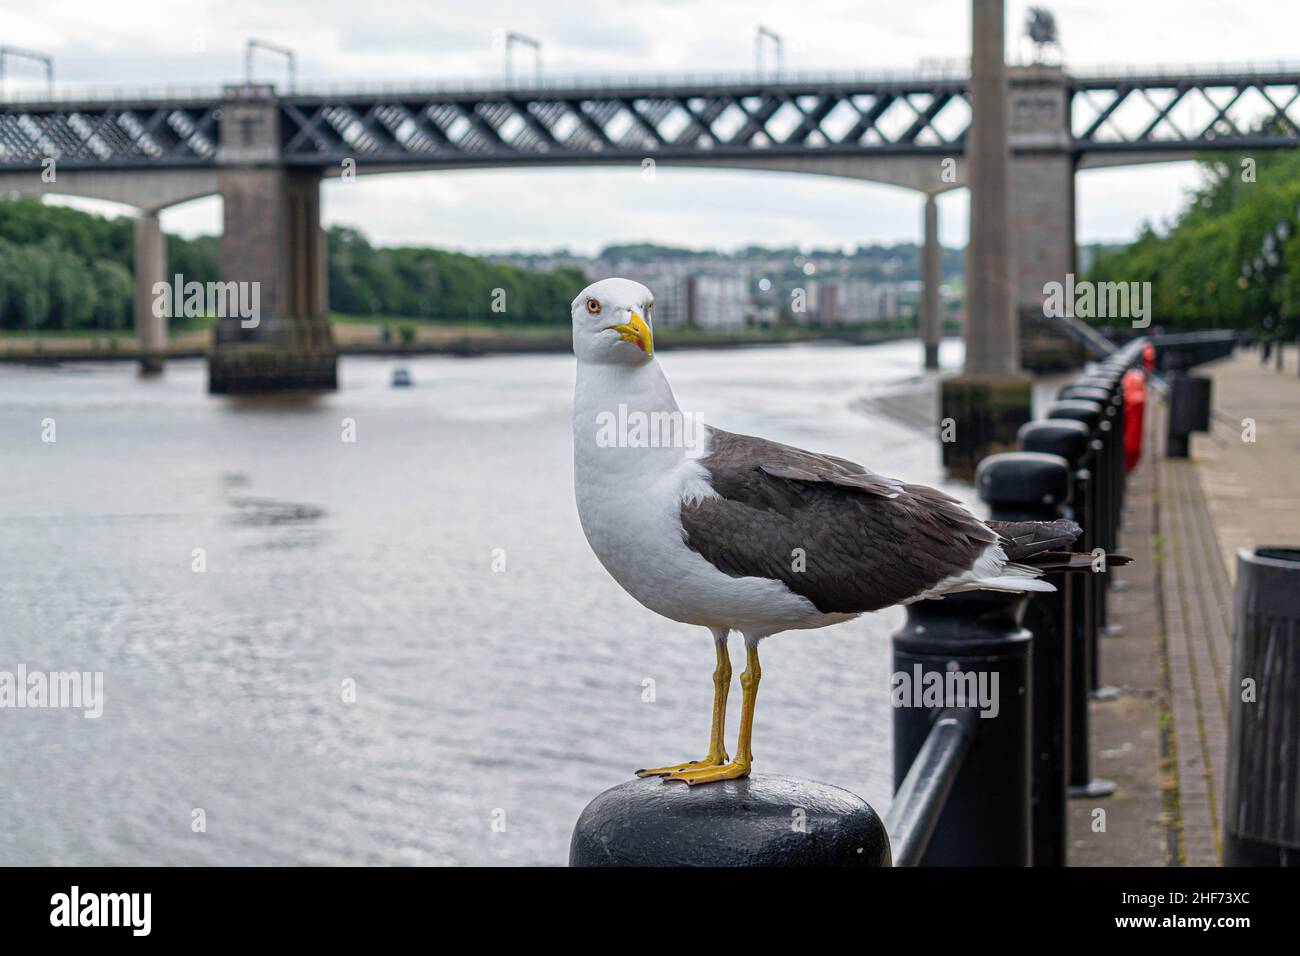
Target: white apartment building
[718,302]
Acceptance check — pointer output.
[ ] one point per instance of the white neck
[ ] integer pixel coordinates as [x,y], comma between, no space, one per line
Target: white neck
[600,390]
[642,388]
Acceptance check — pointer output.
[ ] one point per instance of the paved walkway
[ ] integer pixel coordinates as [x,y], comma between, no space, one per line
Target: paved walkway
[1196,607]
[1252,489]
[1240,488]
[1185,520]
[1129,743]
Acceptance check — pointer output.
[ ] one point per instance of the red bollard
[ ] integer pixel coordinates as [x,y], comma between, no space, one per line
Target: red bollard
[1135,399]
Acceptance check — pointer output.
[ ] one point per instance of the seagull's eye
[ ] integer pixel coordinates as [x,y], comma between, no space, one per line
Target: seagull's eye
[593,307]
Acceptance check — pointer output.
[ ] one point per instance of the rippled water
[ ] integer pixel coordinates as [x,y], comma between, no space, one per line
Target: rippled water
[511,695]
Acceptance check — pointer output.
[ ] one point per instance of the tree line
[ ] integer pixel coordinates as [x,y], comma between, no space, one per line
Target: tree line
[1229,259]
[65,269]
[436,285]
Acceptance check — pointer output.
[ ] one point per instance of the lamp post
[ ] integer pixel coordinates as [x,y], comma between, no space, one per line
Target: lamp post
[764,33]
[269,47]
[20,53]
[511,39]
[1266,269]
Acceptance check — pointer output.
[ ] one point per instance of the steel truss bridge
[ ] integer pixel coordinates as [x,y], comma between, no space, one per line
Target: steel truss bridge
[1179,112]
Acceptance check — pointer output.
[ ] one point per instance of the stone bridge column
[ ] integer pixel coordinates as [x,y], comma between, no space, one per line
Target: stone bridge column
[931,280]
[1041,209]
[988,402]
[150,269]
[273,251]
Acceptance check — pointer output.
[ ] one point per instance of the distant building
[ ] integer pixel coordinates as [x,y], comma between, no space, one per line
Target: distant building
[667,281]
[718,302]
[855,301]
[716,290]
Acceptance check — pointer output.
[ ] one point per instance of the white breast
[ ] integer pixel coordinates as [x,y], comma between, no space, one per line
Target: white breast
[629,502]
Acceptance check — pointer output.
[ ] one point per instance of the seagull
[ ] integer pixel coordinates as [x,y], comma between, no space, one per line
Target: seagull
[740,534]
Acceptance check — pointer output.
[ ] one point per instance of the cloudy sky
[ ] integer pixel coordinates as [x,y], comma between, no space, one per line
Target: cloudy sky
[151,43]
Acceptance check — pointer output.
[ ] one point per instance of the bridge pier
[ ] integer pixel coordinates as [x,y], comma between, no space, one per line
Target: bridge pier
[931,280]
[150,269]
[988,402]
[273,250]
[1041,209]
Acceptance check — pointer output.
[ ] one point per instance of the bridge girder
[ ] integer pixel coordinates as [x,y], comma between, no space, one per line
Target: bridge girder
[616,125]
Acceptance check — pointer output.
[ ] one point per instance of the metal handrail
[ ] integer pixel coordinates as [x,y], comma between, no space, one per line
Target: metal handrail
[920,799]
[1084,334]
[950,71]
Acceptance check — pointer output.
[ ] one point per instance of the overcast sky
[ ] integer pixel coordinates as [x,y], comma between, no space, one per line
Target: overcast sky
[180,42]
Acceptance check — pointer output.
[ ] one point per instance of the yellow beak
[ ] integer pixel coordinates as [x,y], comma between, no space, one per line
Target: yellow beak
[636,332]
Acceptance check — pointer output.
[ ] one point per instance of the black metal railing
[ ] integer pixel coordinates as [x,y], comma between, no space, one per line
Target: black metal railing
[974,791]
[923,792]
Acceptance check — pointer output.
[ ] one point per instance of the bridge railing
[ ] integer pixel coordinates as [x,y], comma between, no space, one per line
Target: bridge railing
[555,82]
[932,71]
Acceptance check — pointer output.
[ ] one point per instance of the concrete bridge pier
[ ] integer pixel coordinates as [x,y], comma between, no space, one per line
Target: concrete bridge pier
[150,269]
[273,261]
[989,401]
[931,280]
[1041,209]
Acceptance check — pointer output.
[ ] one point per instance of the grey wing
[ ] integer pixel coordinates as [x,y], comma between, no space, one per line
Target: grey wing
[842,536]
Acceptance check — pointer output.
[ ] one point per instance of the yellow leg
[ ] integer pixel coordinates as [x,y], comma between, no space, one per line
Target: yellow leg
[717,755]
[744,754]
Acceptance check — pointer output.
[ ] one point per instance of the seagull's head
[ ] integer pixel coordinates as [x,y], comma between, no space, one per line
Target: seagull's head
[612,323]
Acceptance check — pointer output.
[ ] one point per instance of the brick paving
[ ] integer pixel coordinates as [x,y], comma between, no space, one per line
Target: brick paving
[1128,743]
[1193,586]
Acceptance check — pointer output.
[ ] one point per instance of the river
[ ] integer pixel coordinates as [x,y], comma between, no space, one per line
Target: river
[400,649]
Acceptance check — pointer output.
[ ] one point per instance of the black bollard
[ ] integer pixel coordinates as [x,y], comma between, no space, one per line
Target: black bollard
[1106,539]
[1070,440]
[1113,437]
[1110,499]
[1112,429]
[1087,392]
[1114,372]
[972,636]
[1092,414]
[1189,411]
[763,820]
[1095,508]
[1112,379]
[1261,825]
[1030,486]
[1105,396]
[1119,475]
[1100,623]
